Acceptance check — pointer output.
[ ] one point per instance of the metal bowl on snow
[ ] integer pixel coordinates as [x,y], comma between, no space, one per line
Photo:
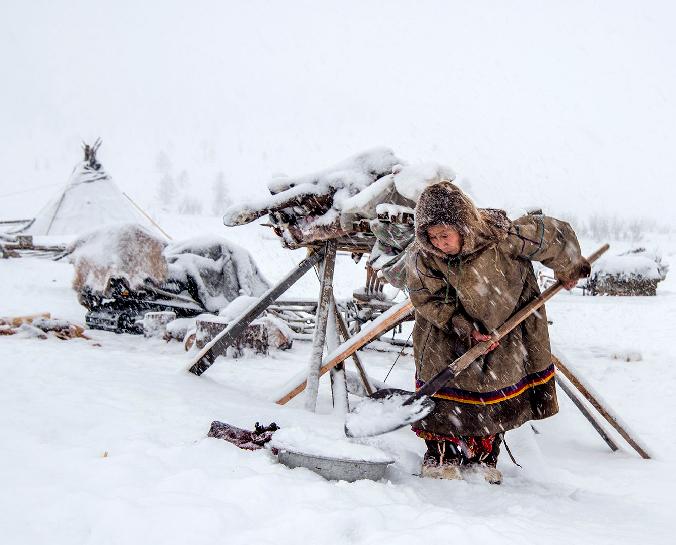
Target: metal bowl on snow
[335,469]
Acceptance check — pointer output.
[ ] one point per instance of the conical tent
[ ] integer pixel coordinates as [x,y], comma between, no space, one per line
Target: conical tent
[90,200]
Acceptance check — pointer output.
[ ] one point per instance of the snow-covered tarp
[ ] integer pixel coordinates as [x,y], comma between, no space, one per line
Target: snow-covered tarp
[222,270]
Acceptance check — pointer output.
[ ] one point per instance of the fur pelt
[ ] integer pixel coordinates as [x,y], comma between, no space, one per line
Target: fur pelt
[126,251]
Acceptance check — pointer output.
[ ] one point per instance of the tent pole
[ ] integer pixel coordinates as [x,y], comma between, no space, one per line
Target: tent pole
[151,220]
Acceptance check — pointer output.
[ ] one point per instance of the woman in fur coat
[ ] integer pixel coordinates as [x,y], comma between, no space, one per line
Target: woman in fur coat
[468,271]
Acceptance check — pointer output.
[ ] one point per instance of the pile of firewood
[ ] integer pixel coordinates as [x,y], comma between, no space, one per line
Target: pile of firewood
[40,326]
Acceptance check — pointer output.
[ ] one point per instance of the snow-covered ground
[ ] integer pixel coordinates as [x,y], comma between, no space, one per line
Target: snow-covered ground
[104,441]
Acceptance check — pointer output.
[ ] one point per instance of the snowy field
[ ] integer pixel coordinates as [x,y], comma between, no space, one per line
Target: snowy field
[104,441]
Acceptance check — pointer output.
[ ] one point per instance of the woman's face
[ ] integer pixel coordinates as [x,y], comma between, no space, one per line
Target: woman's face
[445,238]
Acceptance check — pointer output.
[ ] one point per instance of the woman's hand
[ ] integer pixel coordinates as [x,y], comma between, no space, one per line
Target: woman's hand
[480,337]
[570,284]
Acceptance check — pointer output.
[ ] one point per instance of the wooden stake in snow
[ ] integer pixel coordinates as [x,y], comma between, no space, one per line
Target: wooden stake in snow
[604,411]
[323,309]
[590,417]
[377,327]
[345,335]
[338,378]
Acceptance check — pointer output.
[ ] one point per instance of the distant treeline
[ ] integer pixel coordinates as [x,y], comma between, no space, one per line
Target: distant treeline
[614,227]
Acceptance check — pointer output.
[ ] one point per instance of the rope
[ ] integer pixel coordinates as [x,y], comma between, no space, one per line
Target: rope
[398,356]
[510,452]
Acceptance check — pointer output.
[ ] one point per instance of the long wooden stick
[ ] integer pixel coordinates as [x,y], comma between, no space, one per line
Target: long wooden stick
[384,322]
[612,419]
[590,417]
[151,220]
[321,319]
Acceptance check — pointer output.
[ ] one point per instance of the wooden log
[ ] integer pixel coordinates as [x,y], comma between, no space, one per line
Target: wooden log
[254,336]
[206,356]
[311,199]
[604,411]
[383,323]
[323,309]
[16,321]
[338,378]
[155,323]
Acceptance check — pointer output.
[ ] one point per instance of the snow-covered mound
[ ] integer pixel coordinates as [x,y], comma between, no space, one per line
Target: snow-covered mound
[628,266]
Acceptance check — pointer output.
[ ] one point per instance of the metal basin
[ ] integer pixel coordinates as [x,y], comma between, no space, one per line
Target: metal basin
[335,469]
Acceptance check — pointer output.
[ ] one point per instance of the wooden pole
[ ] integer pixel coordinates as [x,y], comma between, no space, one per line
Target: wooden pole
[218,344]
[345,334]
[151,220]
[606,413]
[386,321]
[580,405]
[321,319]
[338,377]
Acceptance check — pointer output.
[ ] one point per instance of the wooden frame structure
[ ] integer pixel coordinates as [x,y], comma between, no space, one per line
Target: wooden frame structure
[323,259]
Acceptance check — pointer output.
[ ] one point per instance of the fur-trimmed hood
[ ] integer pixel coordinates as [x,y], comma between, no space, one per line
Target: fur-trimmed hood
[445,204]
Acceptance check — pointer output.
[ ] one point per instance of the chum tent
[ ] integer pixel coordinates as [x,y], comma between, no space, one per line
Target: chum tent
[90,200]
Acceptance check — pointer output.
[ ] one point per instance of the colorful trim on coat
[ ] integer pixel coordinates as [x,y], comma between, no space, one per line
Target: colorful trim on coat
[496,396]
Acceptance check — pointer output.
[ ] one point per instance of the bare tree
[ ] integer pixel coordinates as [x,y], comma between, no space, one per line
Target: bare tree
[163,163]
[220,195]
[166,190]
[189,205]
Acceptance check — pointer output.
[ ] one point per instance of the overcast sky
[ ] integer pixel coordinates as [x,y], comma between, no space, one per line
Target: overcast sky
[567,105]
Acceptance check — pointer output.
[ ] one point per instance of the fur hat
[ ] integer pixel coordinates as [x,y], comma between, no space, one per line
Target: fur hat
[445,204]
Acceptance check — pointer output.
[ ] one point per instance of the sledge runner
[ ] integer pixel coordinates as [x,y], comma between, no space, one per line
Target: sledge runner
[468,271]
